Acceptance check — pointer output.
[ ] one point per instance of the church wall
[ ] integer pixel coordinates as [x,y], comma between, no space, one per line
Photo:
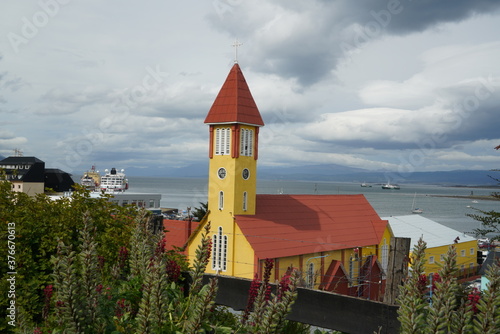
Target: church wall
[243,265]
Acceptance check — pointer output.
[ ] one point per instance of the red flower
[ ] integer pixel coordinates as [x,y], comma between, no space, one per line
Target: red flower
[252,295]
[422,283]
[161,247]
[435,279]
[173,270]
[473,299]
[121,308]
[122,256]
[48,291]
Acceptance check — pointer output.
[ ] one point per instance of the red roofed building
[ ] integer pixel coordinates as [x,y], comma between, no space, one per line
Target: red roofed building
[178,232]
[335,240]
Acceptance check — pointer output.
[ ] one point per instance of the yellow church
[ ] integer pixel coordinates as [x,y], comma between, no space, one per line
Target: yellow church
[338,242]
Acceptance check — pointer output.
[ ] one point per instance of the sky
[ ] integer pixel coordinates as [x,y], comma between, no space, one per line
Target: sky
[381,85]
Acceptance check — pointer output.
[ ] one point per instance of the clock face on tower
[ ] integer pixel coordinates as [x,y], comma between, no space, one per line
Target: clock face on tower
[245,174]
[221,173]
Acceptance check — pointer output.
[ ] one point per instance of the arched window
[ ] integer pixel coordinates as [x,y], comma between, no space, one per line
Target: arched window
[222,141]
[310,275]
[219,251]
[246,142]
[221,200]
[354,269]
[385,255]
[245,198]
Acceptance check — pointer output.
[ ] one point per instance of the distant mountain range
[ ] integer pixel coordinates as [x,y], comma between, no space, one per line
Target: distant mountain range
[337,173]
[329,172]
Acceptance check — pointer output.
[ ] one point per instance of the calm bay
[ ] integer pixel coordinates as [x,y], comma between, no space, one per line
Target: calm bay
[436,201]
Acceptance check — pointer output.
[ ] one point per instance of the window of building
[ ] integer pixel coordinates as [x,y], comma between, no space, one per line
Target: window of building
[222,141]
[245,196]
[151,203]
[353,269]
[462,252]
[219,252]
[441,257]
[472,251]
[431,259]
[385,255]
[246,142]
[310,275]
[221,200]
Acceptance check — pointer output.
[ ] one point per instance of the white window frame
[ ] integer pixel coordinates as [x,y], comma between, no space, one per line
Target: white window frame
[353,270]
[221,200]
[310,275]
[385,255]
[462,253]
[219,250]
[431,259]
[472,251]
[245,200]
[246,142]
[222,141]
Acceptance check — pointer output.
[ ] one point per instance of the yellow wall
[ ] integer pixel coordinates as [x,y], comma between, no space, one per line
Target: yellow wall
[233,185]
[301,262]
[240,255]
[244,258]
[465,258]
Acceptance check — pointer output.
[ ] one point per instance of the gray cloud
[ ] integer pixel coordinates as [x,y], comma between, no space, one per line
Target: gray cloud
[306,40]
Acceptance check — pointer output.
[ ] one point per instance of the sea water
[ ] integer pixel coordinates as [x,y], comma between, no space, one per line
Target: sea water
[436,201]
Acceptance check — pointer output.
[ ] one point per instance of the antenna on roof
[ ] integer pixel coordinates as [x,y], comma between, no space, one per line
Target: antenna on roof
[18,152]
[236,44]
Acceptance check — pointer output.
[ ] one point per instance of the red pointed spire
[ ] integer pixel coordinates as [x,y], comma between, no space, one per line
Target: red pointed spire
[234,103]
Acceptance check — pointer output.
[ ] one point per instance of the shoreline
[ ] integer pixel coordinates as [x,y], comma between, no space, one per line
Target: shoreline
[481,198]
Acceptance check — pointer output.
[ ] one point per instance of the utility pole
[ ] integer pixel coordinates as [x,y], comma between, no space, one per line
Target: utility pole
[397,268]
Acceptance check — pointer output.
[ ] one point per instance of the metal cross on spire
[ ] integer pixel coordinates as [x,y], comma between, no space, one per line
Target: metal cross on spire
[236,44]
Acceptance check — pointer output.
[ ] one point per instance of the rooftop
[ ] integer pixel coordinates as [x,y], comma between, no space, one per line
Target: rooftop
[433,233]
[288,225]
[234,103]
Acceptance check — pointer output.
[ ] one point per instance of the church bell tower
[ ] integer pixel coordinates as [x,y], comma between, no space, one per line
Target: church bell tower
[234,121]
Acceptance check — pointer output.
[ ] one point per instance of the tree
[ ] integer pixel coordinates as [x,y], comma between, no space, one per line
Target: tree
[38,225]
[490,220]
[450,309]
[200,212]
[88,266]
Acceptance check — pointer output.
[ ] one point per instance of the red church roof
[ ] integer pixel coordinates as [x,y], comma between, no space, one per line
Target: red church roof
[234,103]
[288,225]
